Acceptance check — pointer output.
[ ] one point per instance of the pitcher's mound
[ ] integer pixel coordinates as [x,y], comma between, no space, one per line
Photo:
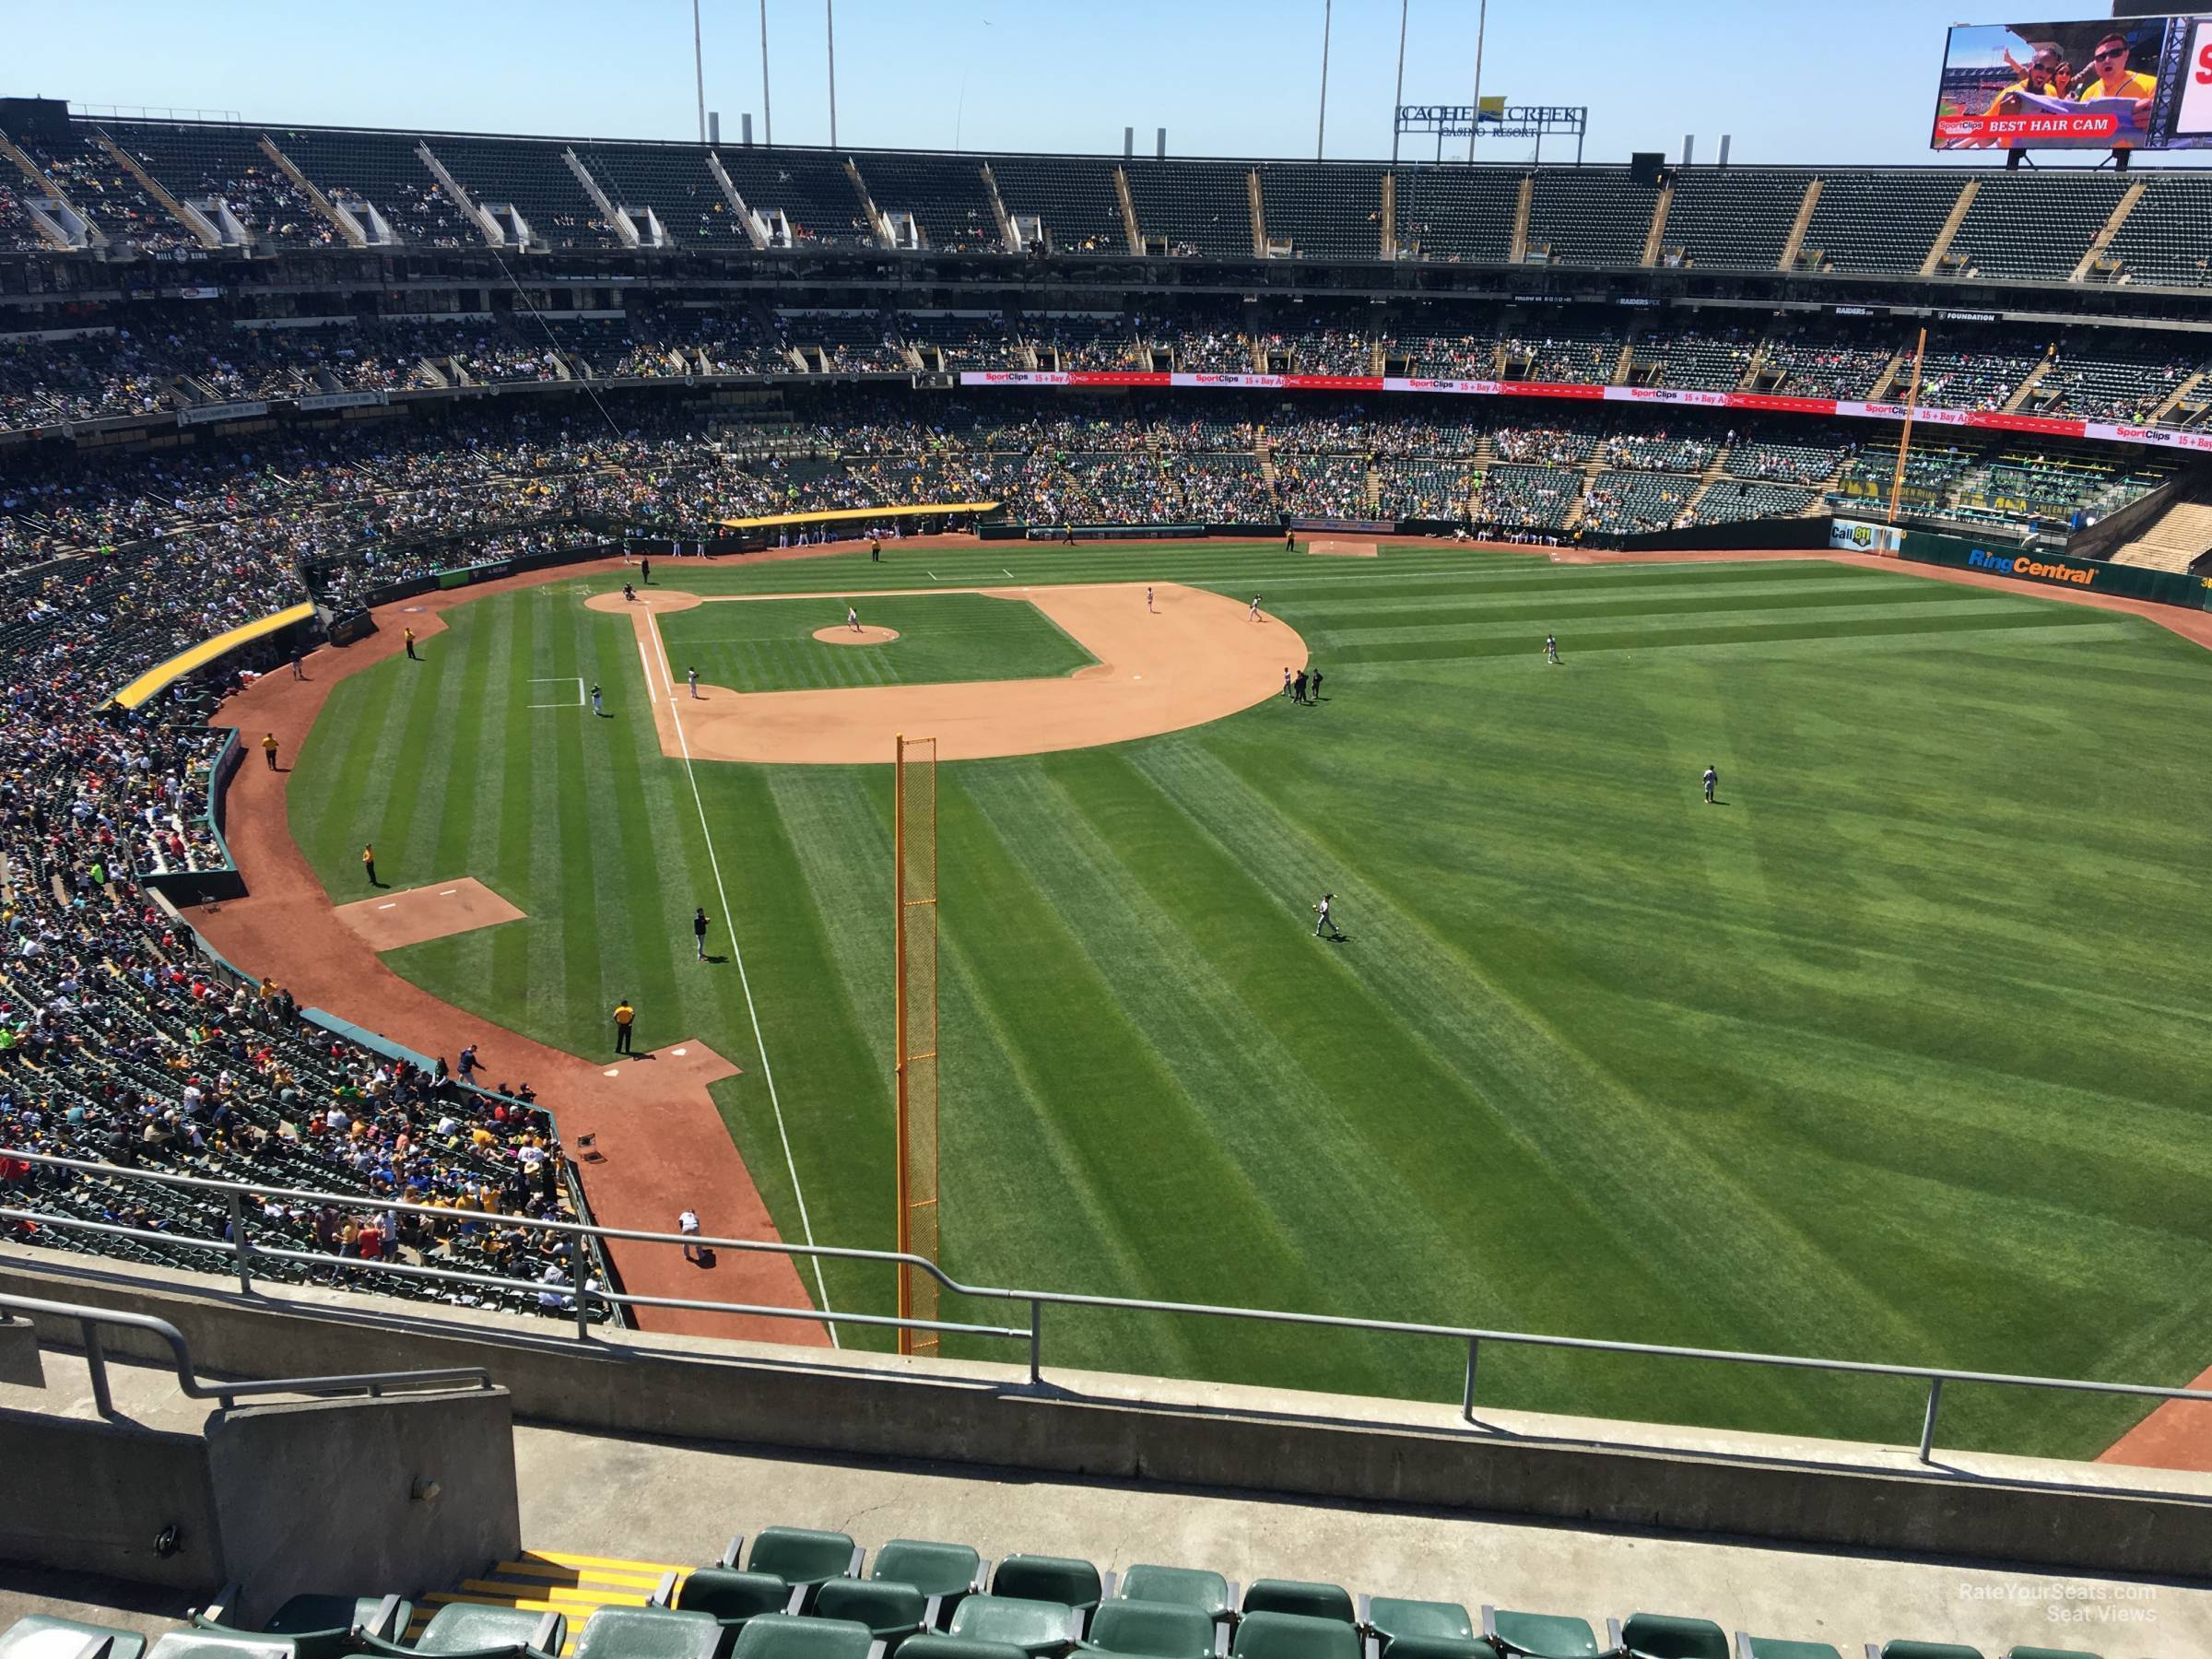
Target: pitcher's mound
[410,915]
[1344,549]
[862,635]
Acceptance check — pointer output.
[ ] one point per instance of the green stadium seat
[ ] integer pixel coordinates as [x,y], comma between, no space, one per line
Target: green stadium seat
[219,1645]
[930,1646]
[798,1555]
[462,1629]
[1052,1578]
[944,1570]
[732,1597]
[1439,1647]
[1538,1635]
[892,1611]
[1294,1596]
[1036,1628]
[1294,1636]
[43,1636]
[319,1627]
[647,1633]
[783,1636]
[1925,1650]
[1189,1586]
[2042,1653]
[1776,1647]
[1391,1619]
[1668,1636]
[1156,1629]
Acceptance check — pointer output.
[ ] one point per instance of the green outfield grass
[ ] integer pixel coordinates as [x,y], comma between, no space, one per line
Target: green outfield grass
[1897,1054]
[768,644]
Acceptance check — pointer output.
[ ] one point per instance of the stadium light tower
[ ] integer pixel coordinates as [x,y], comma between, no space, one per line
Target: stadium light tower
[1482,27]
[1398,102]
[829,7]
[1322,126]
[767,121]
[699,71]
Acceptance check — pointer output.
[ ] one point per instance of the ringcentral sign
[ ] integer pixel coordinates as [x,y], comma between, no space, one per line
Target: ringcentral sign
[2004,564]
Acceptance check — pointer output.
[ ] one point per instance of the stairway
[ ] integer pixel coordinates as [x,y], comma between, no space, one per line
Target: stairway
[1372,494]
[1885,380]
[1942,244]
[2177,539]
[548,1581]
[2027,386]
[1265,452]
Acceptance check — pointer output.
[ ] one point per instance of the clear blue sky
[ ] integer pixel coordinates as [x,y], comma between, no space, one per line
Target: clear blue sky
[1792,82]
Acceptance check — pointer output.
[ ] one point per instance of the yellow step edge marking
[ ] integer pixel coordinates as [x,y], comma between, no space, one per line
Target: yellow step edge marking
[585,1561]
[452,1599]
[593,1598]
[582,1575]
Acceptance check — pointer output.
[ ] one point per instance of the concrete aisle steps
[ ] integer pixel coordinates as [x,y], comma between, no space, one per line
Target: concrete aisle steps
[551,1581]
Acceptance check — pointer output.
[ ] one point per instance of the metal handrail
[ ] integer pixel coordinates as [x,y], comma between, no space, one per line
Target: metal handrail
[584,1293]
[91,1320]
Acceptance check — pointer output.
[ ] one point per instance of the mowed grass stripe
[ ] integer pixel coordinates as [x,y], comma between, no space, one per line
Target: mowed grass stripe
[1822,617]
[1543,1092]
[1945,623]
[1577,609]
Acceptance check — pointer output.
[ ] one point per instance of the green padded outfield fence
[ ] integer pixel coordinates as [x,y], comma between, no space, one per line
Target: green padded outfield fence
[2058,572]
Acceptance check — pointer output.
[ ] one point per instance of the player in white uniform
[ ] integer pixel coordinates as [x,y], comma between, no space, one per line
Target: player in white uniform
[1256,608]
[691,678]
[852,618]
[1551,650]
[1324,925]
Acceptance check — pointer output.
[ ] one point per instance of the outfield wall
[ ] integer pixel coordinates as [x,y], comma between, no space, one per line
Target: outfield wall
[2058,571]
[2076,1517]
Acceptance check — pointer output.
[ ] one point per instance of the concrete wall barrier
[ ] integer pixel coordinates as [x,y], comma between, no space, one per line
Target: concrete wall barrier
[2075,1517]
[407,1490]
[112,1498]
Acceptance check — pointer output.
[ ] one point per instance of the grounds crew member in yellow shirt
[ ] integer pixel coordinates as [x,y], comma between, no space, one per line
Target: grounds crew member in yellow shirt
[2111,77]
[625,1016]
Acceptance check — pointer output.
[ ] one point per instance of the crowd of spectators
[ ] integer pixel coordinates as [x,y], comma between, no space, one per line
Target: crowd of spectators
[118,1043]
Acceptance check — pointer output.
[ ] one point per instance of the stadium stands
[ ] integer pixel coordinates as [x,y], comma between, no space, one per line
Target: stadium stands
[672,181]
[1738,220]
[1589,216]
[1458,213]
[2167,239]
[1869,223]
[1200,208]
[1328,212]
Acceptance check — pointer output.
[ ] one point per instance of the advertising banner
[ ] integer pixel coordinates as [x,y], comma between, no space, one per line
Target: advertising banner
[2102,84]
[1760,402]
[1857,536]
[342,400]
[227,411]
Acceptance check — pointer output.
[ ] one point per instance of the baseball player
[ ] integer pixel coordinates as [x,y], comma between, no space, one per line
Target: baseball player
[1713,782]
[1255,616]
[852,618]
[1324,923]
[698,929]
[691,679]
[1551,651]
[598,707]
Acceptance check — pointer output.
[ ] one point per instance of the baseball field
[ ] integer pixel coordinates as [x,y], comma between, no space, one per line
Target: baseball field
[1895,1053]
